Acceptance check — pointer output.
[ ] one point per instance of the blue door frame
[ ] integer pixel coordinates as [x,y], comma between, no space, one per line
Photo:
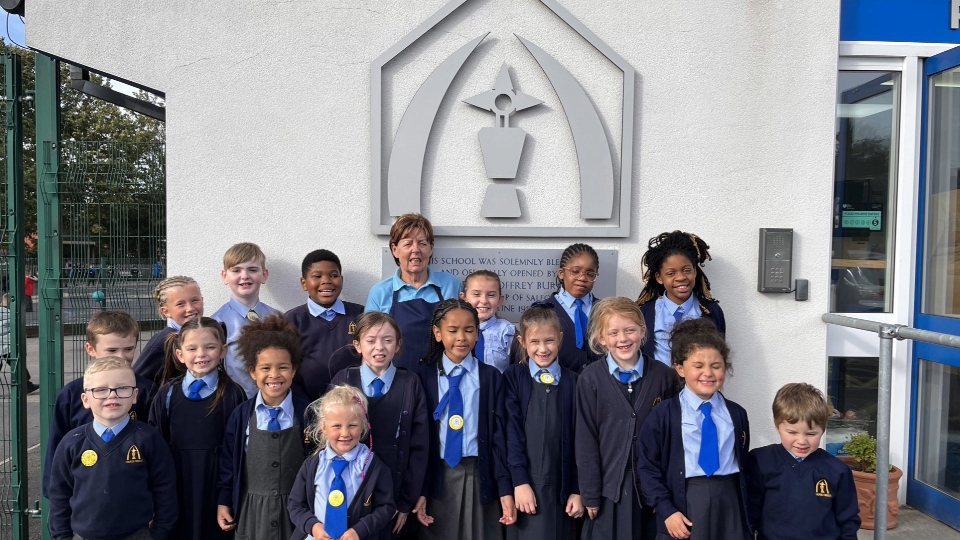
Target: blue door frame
[920,495]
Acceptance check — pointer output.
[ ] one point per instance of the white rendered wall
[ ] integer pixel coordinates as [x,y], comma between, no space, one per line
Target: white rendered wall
[269,140]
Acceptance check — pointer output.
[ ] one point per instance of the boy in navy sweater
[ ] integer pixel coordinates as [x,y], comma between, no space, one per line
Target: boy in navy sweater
[109,333]
[112,477]
[795,489]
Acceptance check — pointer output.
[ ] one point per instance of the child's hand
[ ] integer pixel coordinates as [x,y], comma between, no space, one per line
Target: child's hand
[574,506]
[349,535]
[401,521]
[421,511]
[509,510]
[592,512]
[678,525]
[318,533]
[526,500]
[225,518]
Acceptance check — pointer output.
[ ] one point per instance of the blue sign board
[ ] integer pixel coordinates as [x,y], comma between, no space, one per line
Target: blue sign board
[918,21]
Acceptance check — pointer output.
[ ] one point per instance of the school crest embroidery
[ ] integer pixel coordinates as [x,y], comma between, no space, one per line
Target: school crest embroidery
[823,489]
[656,402]
[133,455]
[133,415]
[369,500]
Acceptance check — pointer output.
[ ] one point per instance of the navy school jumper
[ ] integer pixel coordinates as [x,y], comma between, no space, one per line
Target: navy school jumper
[234,451]
[663,478]
[150,362]
[319,339]
[649,312]
[608,426]
[412,434]
[814,498]
[69,413]
[518,386]
[491,435]
[110,490]
[370,513]
[571,357]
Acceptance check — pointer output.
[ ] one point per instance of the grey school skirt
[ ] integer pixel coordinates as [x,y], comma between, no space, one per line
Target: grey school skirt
[457,513]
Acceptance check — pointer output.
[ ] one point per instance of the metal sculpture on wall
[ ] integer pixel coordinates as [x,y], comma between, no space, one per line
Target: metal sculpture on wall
[502,145]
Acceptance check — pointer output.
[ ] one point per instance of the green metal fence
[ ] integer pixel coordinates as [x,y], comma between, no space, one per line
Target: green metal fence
[13,391]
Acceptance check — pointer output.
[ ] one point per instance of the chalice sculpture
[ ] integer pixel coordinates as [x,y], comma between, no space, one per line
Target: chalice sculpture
[502,145]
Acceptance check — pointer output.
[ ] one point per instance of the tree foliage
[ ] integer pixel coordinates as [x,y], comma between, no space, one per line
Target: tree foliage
[112,170]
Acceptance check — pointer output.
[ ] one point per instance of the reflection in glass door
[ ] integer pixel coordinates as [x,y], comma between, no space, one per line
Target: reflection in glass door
[933,474]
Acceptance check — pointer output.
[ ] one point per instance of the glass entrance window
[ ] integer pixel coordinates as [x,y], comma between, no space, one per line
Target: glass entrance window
[938,427]
[864,191]
[941,284]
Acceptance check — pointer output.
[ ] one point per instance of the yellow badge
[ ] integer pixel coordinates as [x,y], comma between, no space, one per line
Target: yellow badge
[88,458]
[546,378]
[352,329]
[336,498]
[456,422]
[823,489]
[369,500]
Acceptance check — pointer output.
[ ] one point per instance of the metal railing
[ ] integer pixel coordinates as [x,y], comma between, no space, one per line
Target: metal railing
[887,333]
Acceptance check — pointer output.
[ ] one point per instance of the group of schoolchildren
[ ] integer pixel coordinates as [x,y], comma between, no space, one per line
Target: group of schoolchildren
[259,425]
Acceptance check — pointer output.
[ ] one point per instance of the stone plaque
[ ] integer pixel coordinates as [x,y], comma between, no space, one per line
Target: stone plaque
[527,275]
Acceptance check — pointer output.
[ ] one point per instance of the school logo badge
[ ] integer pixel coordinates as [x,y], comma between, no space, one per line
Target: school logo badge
[133,415]
[369,500]
[564,139]
[823,488]
[133,455]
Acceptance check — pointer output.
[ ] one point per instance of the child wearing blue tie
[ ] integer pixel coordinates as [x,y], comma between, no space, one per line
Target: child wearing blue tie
[467,467]
[264,444]
[573,301]
[615,397]
[344,491]
[191,411]
[692,447]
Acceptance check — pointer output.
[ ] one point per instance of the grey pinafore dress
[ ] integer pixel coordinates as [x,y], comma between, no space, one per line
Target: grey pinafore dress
[273,460]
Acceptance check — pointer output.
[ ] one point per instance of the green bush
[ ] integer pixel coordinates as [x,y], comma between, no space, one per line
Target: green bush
[863,449]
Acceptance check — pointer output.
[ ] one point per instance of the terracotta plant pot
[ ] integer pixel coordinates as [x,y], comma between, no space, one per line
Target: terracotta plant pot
[866,484]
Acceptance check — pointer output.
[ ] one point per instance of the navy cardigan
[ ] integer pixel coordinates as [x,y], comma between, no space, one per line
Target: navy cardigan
[412,434]
[662,470]
[649,312]
[369,513]
[518,385]
[491,435]
[234,450]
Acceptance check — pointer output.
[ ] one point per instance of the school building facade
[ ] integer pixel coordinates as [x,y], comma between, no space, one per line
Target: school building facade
[299,125]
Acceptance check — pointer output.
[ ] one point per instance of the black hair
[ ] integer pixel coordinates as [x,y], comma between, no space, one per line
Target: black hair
[444,307]
[316,256]
[174,370]
[572,251]
[274,332]
[692,334]
[664,246]
[483,273]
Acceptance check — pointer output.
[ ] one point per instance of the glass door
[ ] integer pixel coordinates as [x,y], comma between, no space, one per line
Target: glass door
[933,471]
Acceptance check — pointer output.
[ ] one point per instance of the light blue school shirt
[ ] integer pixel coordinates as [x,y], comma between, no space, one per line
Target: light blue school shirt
[692,419]
[212,379]
[470,388]
[173,324]
[100,428]
[553,369]
[664,322]
[233,314]
[381,294]
[567,303]
[616,370]
[497,337]
[317,310]
[351,477]
[367,376]
[263,415]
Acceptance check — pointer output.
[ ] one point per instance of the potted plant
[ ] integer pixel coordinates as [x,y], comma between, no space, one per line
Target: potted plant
[863,461]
